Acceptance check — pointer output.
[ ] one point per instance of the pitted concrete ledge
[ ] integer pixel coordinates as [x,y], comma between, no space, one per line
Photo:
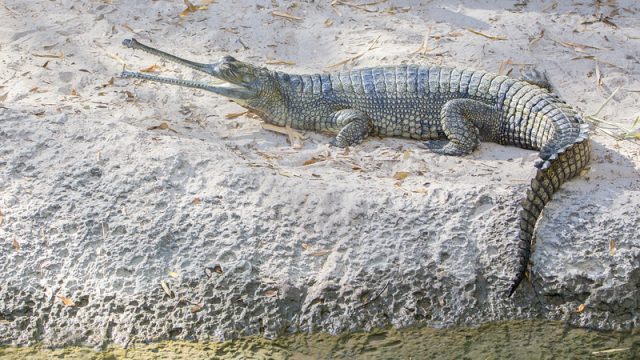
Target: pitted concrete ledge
[247,239]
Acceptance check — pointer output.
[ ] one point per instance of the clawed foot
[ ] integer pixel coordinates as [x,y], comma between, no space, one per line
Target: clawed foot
[337,143]
[443,147]
[538,78]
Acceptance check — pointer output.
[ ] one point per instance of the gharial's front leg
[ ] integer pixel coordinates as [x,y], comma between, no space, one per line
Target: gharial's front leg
[464,122]
[353,127]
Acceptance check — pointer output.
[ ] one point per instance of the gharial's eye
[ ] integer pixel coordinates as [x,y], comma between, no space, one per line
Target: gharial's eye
[228,59]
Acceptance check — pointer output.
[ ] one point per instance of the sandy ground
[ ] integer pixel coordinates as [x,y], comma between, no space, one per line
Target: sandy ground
[110,188]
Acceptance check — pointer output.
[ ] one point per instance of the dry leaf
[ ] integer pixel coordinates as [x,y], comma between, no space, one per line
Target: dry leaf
[173,274]
[580,308]
[37,90]
[109,83]
[162,126]
[612,247]
[46,63]
[285,15]
[328,22]
[288,173]
[196,201]
[400,175]
[599,81]
[16,244]
[305,246]
[537,38]
[74,92]
[66,301]
[52,56]
[235,115]
[280,62]
[111,55]
[151,68]
[271,293]
[585,171]
[575,46]
[4,97]
[314,160]
[295,138]
[197,307]
[191,8]
[492,37]
[502,70]
[1,217]
[320,253]
[167,289]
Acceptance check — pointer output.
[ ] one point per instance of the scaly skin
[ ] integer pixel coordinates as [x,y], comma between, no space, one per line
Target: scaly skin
[431,103]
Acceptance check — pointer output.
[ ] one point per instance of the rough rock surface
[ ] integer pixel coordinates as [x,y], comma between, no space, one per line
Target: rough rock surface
[100,204]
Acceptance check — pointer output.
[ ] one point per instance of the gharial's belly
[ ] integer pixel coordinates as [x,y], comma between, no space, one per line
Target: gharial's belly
[411,123]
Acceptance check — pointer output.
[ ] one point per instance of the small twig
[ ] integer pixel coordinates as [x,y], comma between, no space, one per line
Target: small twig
[609,351]
[285,15]
[295,138]
[575,46]
[423,49]
[377,295]
[15,14]
[362,7]
[492,37]
[604,103]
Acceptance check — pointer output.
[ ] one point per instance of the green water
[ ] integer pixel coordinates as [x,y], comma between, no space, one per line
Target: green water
[507,340]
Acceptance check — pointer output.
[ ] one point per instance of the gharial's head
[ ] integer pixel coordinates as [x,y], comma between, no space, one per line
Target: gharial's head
[248,85]
[241,81]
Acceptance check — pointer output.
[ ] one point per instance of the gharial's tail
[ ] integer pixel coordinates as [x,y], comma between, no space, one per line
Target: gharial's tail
[560,166]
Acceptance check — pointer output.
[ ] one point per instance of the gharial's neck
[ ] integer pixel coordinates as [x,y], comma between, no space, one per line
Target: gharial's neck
[272,103]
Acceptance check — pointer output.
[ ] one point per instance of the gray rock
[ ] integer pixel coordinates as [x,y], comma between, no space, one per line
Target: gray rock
[104,212]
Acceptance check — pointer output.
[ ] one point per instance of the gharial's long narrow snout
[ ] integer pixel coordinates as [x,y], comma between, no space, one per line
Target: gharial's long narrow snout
[230,85]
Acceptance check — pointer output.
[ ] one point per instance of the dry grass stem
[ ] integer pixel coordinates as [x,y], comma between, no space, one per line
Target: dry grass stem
[356,57]
[286,15]
[363,7]
[492,37]
[424,48]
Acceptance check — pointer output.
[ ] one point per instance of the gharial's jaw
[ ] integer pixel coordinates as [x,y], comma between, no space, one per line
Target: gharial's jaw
[226,89]
[237,80]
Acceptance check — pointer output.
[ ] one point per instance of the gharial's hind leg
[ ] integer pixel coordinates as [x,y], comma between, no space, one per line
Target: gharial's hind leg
[464,122]
[538,78]
[353,127]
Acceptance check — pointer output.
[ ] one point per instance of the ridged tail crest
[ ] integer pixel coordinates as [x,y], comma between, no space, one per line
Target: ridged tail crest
[559,167]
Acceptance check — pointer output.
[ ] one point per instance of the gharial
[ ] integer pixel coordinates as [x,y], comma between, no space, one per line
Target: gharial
[453,109]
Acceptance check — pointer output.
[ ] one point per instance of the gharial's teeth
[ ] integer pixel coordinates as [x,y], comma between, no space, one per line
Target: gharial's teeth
[225,84]
[218,82]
